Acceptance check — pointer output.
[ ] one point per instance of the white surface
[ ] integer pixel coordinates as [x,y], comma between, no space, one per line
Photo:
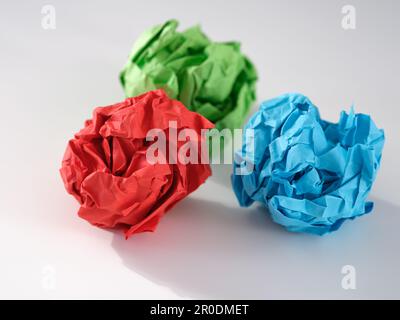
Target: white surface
[206,247]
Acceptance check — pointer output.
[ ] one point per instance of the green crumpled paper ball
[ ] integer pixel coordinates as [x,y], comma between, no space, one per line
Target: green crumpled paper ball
[212,78]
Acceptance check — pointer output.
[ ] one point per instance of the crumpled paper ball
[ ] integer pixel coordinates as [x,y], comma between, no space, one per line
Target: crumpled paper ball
[310,173]
[106,169]
[212,78]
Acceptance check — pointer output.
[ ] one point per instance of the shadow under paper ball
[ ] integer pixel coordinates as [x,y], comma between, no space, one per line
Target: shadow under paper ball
[201,249]
[204,250]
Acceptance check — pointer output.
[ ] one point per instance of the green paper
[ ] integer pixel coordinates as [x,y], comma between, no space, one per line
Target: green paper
[212,78]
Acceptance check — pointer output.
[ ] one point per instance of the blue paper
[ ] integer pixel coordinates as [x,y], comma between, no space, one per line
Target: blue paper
[311,174]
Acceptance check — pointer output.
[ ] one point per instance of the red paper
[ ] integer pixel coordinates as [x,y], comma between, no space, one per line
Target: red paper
[106,170]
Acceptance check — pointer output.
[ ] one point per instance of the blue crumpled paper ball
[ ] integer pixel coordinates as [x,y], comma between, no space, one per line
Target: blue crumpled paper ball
[310,173]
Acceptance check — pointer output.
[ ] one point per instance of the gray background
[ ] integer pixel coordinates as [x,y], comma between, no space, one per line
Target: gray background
[206,247]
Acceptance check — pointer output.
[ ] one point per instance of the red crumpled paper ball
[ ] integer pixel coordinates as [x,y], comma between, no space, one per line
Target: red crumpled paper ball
[105,166]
